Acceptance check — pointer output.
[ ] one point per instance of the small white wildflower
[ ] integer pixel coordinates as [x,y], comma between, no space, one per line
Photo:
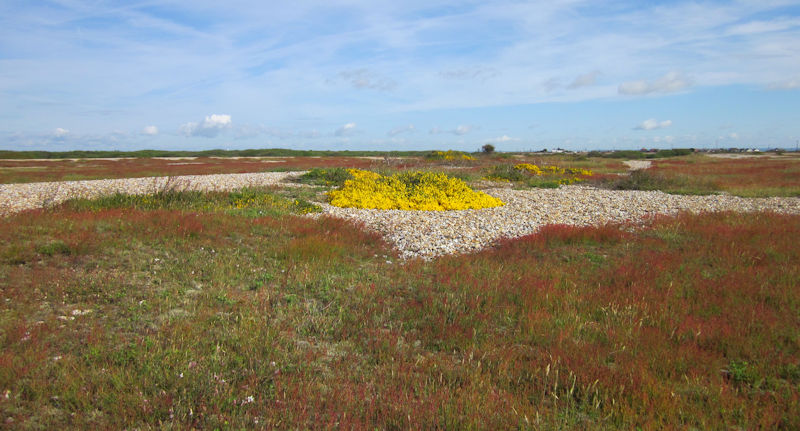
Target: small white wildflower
[57,358]
[181,375]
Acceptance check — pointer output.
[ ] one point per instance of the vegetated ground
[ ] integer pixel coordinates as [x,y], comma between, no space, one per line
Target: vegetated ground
[208,311]
[26,171]
[746,176]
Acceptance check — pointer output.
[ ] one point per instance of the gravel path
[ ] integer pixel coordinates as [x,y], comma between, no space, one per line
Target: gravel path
[429,234]
[19,197]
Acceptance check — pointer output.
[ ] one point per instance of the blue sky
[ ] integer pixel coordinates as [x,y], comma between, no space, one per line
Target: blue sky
[375,74]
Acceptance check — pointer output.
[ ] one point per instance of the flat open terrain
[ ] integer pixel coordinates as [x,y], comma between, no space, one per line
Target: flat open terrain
[610,304]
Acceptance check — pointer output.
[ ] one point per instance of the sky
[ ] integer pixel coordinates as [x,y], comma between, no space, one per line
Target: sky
[389,75]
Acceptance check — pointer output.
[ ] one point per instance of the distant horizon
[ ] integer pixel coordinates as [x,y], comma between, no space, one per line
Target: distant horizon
[377,75]
[235,152]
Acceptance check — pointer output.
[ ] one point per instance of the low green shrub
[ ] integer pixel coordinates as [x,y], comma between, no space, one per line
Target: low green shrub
[253,202]
[53,247]
[645,179]
[325,177]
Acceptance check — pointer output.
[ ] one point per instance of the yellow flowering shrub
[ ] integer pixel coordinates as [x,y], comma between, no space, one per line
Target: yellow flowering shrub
[535,176]
[424,191]
[450,155]
[533,169]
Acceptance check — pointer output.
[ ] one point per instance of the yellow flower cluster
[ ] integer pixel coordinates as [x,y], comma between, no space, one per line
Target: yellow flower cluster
[533,169]
[450,155]
[424,191]
[552,170]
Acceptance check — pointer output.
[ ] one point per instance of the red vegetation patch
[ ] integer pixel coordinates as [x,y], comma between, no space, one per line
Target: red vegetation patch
[13,171]
[736,174]
[644,325]
[291,323]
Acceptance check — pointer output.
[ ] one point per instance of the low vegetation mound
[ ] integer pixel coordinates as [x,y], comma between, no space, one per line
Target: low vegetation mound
[536,176]
[425,191]
[325,177]
[255,202]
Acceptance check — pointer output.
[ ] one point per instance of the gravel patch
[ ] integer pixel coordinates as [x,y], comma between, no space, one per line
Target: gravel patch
[19,197]
[635,165]
[428,234]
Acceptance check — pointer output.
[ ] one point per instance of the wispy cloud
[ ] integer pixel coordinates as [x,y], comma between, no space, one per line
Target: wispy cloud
[401,129]
[788,84]
[478,73]
[653,124]
[584,80]
[760,26]
[367,79]
[502,139]
[462,129]
[669,83]
[100,66]
[346,130]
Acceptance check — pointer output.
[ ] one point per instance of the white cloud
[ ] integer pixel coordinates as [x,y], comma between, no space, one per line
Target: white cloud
[346,130]
[401,129]
[653,124]
[150,130]
[60,133]
[734,136]
[585,80]
[210,127]
[669,83]
[502,139]
[462,129]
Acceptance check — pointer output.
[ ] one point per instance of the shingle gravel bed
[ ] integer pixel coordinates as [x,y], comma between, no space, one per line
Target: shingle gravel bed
[428,234]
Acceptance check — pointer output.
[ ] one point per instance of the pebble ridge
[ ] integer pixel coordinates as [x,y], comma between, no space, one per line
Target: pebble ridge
[428,234]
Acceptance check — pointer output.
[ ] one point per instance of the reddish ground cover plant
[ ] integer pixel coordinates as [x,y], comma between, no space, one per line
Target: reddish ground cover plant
[18,171]
[25,171]
[748,176]
[123,318]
